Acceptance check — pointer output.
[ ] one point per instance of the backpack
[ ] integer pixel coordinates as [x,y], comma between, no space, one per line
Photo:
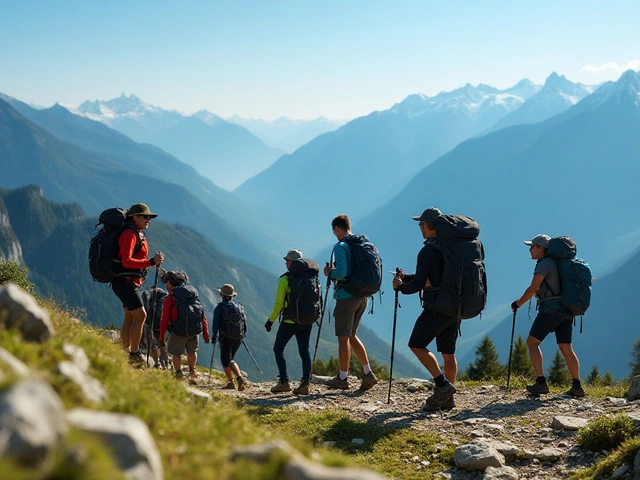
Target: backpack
[304,304]
[233,323]
[365,276]
[190,311]
[463,290]
[575,275]
[104,263]
[156,310]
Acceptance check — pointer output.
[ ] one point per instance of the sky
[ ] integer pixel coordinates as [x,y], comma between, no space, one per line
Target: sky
[302,59]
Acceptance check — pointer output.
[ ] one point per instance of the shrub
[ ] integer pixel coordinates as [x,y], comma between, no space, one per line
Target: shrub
[11,272]
[606,433]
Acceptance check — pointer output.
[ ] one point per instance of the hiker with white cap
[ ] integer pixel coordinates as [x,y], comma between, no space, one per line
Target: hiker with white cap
[552,317]
[230,322]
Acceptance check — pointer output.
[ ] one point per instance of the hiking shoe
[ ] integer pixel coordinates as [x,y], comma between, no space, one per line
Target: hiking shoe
[449,404]
[179,375]
[368,381]
[337,382]
[136,359]
[229,386]
[281,386]
[576,392]
[538,388]
[193,376]
[241,383]
[441,395]
[302,389]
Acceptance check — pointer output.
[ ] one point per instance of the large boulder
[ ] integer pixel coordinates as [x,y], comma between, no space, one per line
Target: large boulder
[92,389]
[18,309]
[14,365]
[477,456]
[634,389]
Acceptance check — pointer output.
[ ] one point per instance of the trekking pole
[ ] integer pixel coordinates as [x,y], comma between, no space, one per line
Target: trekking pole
[254,360]
[152,309]
[213,352]
[324,307]
[513,328]
[393,338]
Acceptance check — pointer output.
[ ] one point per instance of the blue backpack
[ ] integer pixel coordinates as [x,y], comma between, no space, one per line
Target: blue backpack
[190,311]
[365,275]
[575,275]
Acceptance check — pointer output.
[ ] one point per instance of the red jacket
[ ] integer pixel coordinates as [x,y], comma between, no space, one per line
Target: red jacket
[170,314]
[128,241]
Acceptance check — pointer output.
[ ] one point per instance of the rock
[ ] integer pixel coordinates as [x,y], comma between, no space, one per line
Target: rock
[19,309]
[635,418]
[474,420]
[477,456]
[320,379]
[113,335]
[300,468]
[549,455]
[636,466]
[299,406]
[634,389]
[357,441]
[261,453]
[509,450]
[494,426]
[617,400]
[78,356]
[621,471]
[328,444]
[32,421]
[368,408]
[198,396]
[476,433]
[568,423]
[413,388]
[501,473]
[92,389]
[16,367]
[128,438]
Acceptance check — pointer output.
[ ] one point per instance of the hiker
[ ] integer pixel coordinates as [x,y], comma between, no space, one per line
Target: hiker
[349,308]
[289,327]
[230,322]
[152,325]
[184,317]
[133,255]
[552,317]
[432,324]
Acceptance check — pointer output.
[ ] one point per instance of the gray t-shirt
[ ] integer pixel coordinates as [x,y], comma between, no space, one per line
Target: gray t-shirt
[547,267]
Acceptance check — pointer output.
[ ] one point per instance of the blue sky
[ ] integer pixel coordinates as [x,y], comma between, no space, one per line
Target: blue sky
[303,59]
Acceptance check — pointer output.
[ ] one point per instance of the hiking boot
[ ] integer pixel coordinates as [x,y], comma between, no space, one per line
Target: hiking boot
[538,388]
[241,383]
[337,382]
[179,375]
[576,392]
[193,376]
[449,404]
[136,359]
[302,389]
[229,386]
[441,395]
[368,381]
[281,386]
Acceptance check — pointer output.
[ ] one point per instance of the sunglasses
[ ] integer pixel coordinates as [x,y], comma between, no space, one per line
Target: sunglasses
[421,223]
[146,217]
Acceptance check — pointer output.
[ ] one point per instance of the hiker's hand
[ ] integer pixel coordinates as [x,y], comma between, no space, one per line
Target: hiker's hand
[214,340]
[268,325]
[327,270]
[399,273]
[158,258]
[161,344]
[514,306]
[397,281]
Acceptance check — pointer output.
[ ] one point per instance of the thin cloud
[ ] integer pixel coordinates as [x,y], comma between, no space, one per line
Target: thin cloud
[612,67]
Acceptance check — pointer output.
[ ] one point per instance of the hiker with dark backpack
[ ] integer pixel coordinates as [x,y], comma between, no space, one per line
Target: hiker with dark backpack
[358,275]
[299,304]
[451,280]
[228,327]
[183,316]
[152,324]
[129,269]
[562,285]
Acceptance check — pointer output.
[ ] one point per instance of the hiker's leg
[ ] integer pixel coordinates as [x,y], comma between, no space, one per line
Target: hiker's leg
[543,325]
[573,364]
[192,352]
[129,294]
[234,349]
[446,343]
[192,358]
[450,367]
[139,315]
[427,359]
[284,334]
[302,337]
[235,368]
[344,353]
[225,357]
[154,355]
[227,372]
[533,344]
[177,362]
[424,331]
[358,349]
[125,331]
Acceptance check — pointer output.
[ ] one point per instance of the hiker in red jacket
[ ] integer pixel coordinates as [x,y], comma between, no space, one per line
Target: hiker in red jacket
[126,286]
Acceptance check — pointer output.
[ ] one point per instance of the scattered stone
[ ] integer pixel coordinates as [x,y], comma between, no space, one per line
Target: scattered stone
[368,408]
[261,453]
[113,335]
[617,400]
[501,473]
[546,440]
[357,441]
[425,463]
[299,468]
[549,455]
[328,444]
[477,456]
[474,420]
[320,379]
[128,438]
[198,396]
[78,356]
[621,471]
[635,418]
[31,421]
[568,423]
[413,388]
[299,406]
[19,309]
[92,389]
[476,433]
[636,466]
[509,450]
[494,426]
[564,444]
[634,389]
[16,367]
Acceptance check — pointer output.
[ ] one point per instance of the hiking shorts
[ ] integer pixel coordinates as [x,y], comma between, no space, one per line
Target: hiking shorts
[128,293]
[348,313]
[561,323]
[228,349]
[430,325]
[178,344]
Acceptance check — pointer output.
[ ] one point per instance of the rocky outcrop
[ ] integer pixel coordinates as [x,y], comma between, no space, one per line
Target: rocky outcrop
[18,309]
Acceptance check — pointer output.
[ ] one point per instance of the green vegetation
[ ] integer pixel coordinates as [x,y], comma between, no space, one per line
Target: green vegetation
[487,364]
[605,468]
[520,362]
[594,377]
[11,272]
[558,373]
[606,433]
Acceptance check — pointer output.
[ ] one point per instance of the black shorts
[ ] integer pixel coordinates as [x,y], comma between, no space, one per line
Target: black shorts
[430,325]
[228,349]
[128,293]
[561,323]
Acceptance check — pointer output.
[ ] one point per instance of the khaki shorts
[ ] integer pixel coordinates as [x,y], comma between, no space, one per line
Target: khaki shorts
[178,344]
[348,313]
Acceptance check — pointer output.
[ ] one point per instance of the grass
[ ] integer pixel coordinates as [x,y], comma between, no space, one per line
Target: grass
[605,468]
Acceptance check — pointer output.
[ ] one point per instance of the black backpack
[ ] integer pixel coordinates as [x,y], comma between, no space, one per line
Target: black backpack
[463,290]
[233,324]
[365,276]
[104,263]
[575,275]
[155,310]
[304,304]
[190,311]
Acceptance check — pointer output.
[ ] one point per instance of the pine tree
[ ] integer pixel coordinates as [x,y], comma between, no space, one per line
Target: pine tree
[634,364]
[594,377]
[558,373]
[487,364]
[520,363]
[607,379]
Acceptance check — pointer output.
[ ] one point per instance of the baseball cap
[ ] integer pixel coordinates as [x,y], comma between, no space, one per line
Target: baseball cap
[541,240]
[429,215]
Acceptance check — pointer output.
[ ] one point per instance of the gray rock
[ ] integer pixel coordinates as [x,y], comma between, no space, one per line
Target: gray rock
[198,396]
[568,423]
[636,466]
[617,400]
[635,418]
[260,453]
[31,421]
[320,379]
[92,389]
[509,450]
[16,367]
[357,441]
[368,408]
[634,389]
[477,456]
[78,356]
[502,473]
[113,335]
[621,471]
[300,468]
[19,309]
[128,438]
[549,455]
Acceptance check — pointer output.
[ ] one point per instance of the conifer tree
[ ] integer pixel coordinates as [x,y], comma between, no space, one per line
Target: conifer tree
[607,379]
[558,373]
[520,362]
[594,377]
[487,364]
[634,364]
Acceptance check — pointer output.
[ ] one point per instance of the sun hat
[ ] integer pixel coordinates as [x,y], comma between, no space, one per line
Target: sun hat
[140,209]
[293,254]
[227,290]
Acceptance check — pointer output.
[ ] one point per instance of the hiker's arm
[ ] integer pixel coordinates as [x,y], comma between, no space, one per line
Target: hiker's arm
[531,290]
[281,293]
[127,244]
[342,263]
[166,316]
[417,281]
